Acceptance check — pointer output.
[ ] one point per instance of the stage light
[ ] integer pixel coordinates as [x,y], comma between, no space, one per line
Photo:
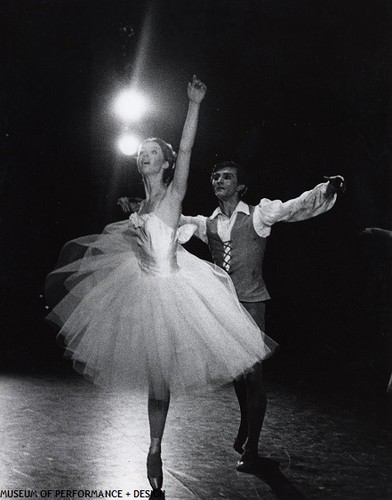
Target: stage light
[130,105]
[128,144]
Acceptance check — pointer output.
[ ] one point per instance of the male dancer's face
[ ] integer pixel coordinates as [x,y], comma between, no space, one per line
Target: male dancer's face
[225,183]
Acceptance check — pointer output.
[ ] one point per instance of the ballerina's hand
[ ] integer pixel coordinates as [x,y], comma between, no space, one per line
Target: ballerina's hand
[196,90]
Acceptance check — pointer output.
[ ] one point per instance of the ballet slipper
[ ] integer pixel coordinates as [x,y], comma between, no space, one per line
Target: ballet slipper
[154,470]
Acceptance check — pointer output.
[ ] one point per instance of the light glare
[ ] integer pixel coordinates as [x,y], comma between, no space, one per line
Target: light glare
[128,144]
[130,105]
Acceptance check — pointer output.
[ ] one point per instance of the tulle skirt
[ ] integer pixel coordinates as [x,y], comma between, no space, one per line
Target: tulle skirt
[125,328]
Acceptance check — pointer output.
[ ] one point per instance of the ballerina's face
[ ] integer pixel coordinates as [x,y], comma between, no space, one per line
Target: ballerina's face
[150,159]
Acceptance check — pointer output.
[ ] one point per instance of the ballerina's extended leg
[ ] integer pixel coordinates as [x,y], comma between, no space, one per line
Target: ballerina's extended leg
[157,413]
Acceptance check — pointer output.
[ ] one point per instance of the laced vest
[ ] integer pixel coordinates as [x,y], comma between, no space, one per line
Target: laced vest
[247,254]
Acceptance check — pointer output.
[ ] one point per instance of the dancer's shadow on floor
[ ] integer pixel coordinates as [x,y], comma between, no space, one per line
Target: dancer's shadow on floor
[269,472]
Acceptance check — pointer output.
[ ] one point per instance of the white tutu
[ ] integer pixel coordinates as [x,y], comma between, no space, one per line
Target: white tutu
[143,313]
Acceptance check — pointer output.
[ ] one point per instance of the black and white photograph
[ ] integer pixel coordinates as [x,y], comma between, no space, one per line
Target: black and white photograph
[196,249]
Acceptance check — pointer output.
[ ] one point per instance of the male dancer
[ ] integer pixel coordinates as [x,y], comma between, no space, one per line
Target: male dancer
[236,234]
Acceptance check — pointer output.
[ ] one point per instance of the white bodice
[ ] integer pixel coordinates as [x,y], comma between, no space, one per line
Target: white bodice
[157,244]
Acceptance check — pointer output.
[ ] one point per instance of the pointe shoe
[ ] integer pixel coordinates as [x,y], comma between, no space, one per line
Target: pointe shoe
[248,462]
[154,470]
[157,494]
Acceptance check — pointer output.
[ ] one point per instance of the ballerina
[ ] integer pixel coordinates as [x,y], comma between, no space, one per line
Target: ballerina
[142,313]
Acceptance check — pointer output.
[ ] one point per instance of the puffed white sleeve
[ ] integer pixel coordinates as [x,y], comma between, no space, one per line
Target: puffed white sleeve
[309,204]
[199,221]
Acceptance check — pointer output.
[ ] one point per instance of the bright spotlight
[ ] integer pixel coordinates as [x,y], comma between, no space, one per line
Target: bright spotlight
[128,144]
[130,105]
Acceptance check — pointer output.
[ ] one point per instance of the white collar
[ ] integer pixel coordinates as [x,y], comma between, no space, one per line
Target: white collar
[241,207]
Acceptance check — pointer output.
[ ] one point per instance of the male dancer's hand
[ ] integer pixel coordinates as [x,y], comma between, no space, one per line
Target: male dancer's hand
[336,184]
[124,204]
[376,231]
[129,205]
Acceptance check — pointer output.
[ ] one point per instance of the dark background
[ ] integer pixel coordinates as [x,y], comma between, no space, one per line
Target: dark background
[296,90]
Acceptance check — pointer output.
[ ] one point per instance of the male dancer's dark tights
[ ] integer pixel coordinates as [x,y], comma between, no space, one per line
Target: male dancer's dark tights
[251,394]
[253,404]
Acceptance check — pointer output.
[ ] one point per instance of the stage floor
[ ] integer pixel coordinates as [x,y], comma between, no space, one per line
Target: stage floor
[60,433]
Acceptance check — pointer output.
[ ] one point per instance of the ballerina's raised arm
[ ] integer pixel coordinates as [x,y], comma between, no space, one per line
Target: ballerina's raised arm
[196,92]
